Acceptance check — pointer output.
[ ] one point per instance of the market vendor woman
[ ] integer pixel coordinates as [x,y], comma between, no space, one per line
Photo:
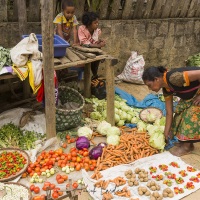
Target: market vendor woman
[185,83]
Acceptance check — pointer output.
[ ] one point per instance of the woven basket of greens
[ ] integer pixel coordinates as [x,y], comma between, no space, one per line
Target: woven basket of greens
[69,109]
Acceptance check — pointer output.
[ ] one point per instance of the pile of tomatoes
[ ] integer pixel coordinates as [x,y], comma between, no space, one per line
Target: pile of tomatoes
[77,159]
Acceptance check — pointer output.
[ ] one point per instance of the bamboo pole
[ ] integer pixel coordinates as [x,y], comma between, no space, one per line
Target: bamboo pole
[48,66]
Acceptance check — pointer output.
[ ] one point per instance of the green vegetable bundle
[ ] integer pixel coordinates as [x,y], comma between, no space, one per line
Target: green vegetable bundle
[5,59]
[193,60]
[12,136]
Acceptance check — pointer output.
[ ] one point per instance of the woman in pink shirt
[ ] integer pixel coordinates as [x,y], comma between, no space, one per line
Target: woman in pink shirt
[88,35]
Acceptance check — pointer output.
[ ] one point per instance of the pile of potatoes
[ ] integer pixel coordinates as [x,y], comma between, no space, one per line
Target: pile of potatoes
[143,191]
[152,185]
[142,174]
[167,192]
[131,178]
[156,196]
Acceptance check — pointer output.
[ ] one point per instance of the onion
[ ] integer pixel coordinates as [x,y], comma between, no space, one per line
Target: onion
[102,144]
[82,142]
[95,152]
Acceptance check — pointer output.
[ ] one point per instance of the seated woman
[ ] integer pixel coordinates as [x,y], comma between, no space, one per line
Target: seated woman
[185,83]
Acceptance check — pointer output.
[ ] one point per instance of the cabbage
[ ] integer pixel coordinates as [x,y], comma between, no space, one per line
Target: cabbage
[117,118]
[157,140]
[95,115]
[123,115]
[151,128]
[85,131]
[116,110]
[117,104]
[113,139]
[151,117]
[120,123]
[103,127]
[113,131]
[134,120]
[129,117]
[141,126]
[160,122]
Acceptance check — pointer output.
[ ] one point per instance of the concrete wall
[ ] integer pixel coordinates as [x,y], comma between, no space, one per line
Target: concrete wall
[165,42]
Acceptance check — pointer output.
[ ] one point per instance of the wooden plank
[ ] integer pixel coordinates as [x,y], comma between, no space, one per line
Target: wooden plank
[81,62]
[174,9]
[157,11]
[192,8]
[167,9]
[34,14]
[110,92]
[138,11]
[87,80]
[103,10]
[148,11]
[128,9]
[3,11]
[79,9]
[179,8]
[185,8]
[114,14]
[7,76]
[48,66]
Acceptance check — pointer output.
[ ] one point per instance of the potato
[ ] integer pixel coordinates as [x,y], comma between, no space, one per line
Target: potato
[136,183]
[128,176]
[148,184]
[170,195]
[130,183]
[133,176]
[137,170]
[146,179]
[140,173]
[132,179]
[141,179]
[153,188]
[168,190]
[126,173]
[165,194]
[144,189]
[147,193]
[130,171]
[142,170]
[156,194]
[152,198]
[152,183]
[160,198]
[157,187]
[140,192]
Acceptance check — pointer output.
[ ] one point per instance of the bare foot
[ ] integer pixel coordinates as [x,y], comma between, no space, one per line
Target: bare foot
[182,149]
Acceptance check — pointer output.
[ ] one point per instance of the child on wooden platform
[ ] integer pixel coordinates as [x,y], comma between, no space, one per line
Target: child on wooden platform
[88,35]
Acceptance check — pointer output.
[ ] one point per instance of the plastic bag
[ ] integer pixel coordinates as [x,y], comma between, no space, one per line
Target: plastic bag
[134,69]
[25,48]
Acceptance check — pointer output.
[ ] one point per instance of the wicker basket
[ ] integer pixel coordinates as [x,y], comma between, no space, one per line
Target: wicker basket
[67,119]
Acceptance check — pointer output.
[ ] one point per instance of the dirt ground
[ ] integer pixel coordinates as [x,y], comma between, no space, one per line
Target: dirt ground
[139,92]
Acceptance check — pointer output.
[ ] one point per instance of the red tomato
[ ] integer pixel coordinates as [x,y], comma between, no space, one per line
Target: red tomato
[58,176]
[75,185]
[65,177]
[74,154]
[85,153]
[52,186]
[32,187]
[29,170]
[91,168]
[60,180]
[64,145]
[78,167]
[55,195]
[36,189]
[60,193]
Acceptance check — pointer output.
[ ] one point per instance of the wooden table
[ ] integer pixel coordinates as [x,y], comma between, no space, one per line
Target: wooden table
[110,62]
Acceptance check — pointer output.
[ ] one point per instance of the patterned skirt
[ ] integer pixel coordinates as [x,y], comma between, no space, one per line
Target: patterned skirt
[186,122]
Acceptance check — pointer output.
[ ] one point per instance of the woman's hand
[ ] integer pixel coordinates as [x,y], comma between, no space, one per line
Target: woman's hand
[196,100]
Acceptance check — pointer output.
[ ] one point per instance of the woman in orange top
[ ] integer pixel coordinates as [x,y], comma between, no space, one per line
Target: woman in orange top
[185,83]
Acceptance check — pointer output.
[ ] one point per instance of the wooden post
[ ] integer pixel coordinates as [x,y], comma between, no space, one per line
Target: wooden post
[110,91]
[22,18]
[48,66]
[87,80]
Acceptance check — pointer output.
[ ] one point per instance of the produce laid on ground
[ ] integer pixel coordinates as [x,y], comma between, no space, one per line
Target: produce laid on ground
[140,180]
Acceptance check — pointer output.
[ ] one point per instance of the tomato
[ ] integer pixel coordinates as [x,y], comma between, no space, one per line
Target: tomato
[32,187]
[75,185]
[36,189]
[60,180]
[55,195]
[69,156]
[85,153]
[64,145]
[62,157]
[29,170]
[58,176]
[74,154]
[31,165]
[73,149]
[52,186]
[78,167]
[60,193]
[65,177]
[92,168]
[67,137]
[74,159]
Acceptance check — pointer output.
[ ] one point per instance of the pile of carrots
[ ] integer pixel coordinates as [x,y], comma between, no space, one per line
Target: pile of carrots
[132,146]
